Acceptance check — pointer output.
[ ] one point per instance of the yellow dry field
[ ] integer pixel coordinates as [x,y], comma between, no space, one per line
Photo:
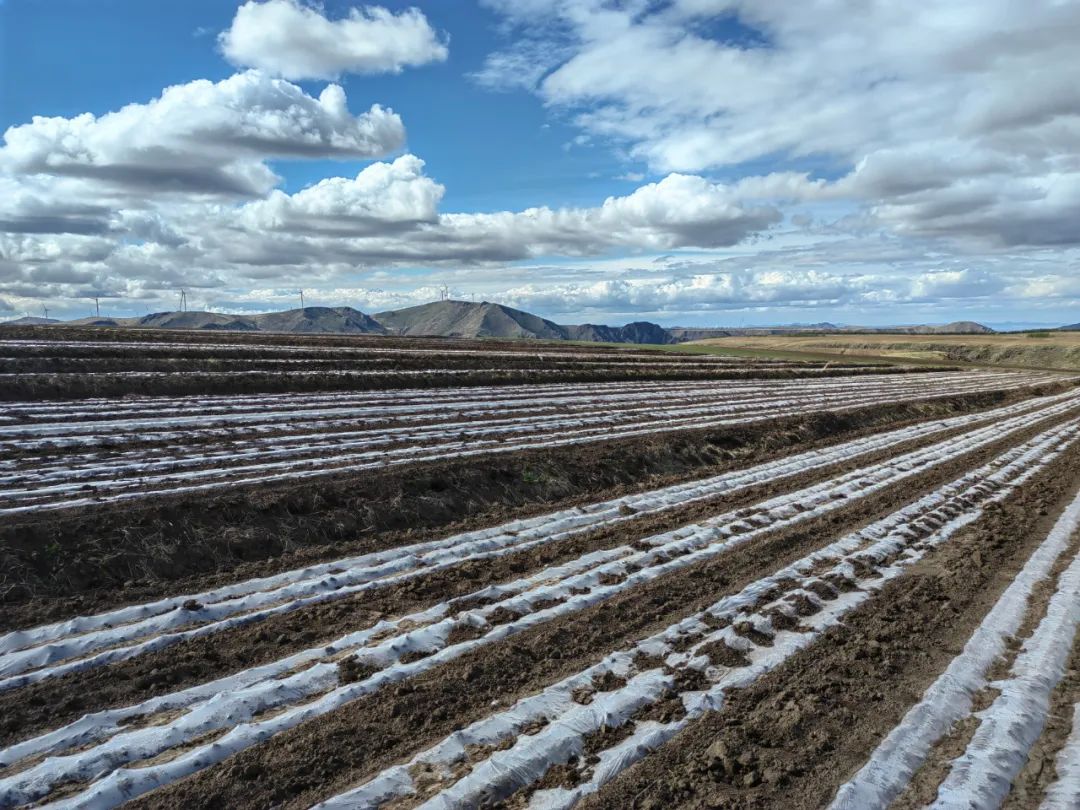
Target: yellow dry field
[1035,350]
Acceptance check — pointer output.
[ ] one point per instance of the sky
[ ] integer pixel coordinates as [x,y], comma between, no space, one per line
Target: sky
[689,162]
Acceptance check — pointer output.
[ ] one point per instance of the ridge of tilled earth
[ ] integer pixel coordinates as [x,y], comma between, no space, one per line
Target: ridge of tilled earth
[322,757]
[1040,771]
[72,565]
[806,727]
[78,462]
[51,702]
[164,364]
[61,386]
[60,473]
[922,788]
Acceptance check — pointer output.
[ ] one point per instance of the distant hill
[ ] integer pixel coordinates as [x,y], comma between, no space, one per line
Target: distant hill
[636,332]
[319,319]
[309,320]
[468,319]
[1074,327]
[471,320]
[194,320]
[954,328]
[96,321]
[30,320]
[682,334]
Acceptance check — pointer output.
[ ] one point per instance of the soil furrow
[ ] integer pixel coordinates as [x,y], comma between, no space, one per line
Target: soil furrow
[737,639]
[41,700]
[89,562]
[1040,771]
[383,727]
[202,479]
[54,701]
[924,784]
[809,724]
[344,575]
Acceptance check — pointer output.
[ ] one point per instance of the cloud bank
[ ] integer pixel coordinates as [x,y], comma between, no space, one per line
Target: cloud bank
[804,156]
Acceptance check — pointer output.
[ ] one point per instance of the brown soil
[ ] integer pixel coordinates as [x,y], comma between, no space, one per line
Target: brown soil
[807,726]
[46,704]
[1040,771]
[327,755]
[57,371]
[926,781]
[61,565]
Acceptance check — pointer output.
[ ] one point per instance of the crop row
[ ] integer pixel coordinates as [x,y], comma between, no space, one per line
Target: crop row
[163,462]
[596,722]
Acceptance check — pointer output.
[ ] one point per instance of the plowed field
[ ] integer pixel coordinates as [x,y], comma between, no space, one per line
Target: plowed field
[708,586]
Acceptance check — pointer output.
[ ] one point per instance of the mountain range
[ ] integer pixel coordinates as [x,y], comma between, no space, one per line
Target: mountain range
[469,319]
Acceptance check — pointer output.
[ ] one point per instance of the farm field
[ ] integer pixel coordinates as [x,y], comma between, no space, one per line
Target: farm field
[1031,350]
[280,571]
[80,363]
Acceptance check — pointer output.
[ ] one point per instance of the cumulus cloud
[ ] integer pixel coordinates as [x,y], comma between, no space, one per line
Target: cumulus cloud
[719,291]
[209,138]
[296,41]
[856,288]
[388,214]
[382,198]
[30,207]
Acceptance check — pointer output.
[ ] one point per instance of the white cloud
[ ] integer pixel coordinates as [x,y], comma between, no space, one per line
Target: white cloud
[773,282]
[201,138]
[522,65]
[973,104]
[388,214]
[949,131]
[380,199]
[296,41]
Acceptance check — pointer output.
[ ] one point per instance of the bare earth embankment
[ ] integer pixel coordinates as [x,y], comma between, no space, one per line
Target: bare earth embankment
[653,581]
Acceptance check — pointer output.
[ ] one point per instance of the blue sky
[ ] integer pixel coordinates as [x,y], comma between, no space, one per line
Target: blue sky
[685,161]
[98,55]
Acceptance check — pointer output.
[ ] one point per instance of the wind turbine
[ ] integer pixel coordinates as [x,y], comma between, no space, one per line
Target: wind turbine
[45,309]
[301,299]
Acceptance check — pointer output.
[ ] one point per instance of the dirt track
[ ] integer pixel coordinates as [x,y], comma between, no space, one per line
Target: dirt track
[733,616]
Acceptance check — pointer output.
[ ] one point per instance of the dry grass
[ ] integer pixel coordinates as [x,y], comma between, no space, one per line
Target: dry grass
[1034,350]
